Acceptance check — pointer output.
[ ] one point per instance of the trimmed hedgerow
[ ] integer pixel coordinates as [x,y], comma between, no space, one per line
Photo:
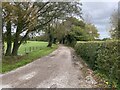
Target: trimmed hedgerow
[103,57]
[87,51]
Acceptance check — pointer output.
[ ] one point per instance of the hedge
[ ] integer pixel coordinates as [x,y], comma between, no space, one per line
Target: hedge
[103,57]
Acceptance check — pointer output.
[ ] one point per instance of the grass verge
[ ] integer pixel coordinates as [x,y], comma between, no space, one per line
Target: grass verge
[13,62]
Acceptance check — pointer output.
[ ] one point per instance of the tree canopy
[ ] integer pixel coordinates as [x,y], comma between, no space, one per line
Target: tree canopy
[29,17]
[59,21]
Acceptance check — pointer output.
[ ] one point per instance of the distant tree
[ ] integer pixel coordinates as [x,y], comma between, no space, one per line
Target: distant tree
[104,39]
[72,30]
[114,20]
[69,30]
[91,32]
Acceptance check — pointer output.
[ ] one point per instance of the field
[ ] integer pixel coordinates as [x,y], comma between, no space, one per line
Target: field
[33,45]
[25,47]
[37,50]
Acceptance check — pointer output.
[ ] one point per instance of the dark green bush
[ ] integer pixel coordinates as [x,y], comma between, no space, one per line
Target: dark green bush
[103,57]
[108,60]
[88,52]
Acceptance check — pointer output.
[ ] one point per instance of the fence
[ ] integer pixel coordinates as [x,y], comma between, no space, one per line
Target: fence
[31,49]
[28,50]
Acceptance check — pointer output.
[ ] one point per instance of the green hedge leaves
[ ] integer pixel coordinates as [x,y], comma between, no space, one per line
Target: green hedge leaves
[103,57]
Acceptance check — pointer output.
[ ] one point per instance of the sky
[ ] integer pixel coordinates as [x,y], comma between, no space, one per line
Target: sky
[99,12]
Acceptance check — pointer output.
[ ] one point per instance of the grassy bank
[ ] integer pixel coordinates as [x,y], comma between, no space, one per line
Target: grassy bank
[13,62]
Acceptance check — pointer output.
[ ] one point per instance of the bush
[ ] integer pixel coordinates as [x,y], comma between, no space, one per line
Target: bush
[87,51]
[103,57]
[108,60]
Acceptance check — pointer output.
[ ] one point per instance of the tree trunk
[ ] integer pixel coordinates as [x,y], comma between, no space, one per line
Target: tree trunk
[2,39]
[3,45]
[60,41]
[54,40]
[8,50]
[16,40]
[50,41]
[15,48]
[63,40]
[9,41]
[50,37]
[16,44]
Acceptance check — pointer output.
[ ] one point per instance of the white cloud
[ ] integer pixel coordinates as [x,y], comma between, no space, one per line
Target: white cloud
[99,14]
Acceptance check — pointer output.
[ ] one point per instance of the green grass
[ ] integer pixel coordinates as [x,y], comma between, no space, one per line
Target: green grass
[90,41]
[97,41]
[12,62]
[30,44]
[33,45]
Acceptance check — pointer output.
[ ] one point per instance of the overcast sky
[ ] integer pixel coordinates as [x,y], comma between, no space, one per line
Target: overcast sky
[99,14]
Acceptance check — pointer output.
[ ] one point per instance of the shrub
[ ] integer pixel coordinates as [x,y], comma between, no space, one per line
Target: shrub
[103,57]
[108,60]
[87,51]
